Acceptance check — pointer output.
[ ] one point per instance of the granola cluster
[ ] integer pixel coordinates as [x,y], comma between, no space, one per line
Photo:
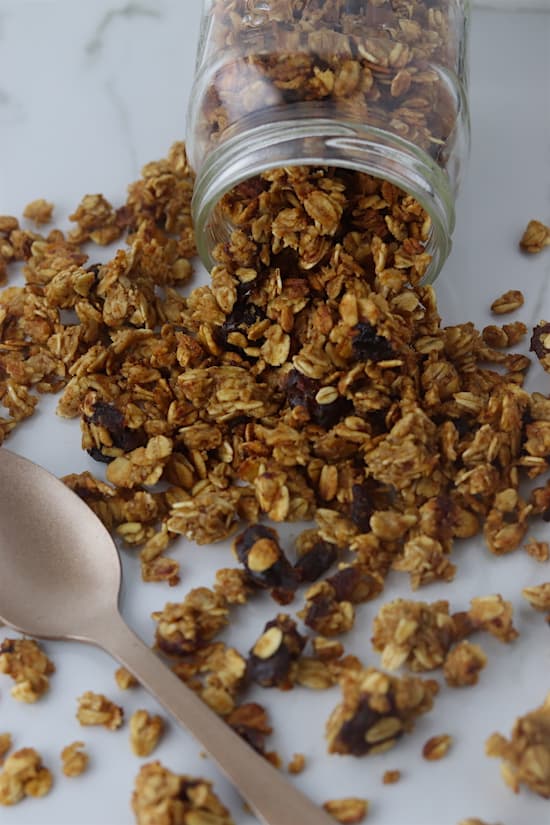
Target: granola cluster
[161,796]
[74,759]
[526,755]
[145,732]
[29,667]
[373,63]
[96,709]
[23,774]
[376,710]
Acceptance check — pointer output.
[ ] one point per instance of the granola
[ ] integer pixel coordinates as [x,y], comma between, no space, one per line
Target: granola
[437,747]
[463,664]
[145,732]
[376,710]
[29,667]
[526,755]
[413,633]
[74,759]
[163,796]
[23,774]
[348,811]
[297,764]
[124,679]
[535,237]
[5,745]
[538,596]
[96,709]
[272,660]
[391,777]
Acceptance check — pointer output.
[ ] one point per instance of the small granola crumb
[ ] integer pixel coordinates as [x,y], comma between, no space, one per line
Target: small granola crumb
[163,796]
[23,774]
[539,550]
[145,732]
[5,745]
[463,664]
[437,747]
[494,615]
[74,759]
[474,821]
[347,811]
[297,764]
[39,211]
[124,679]
[535,237]
[29,667]
[96,709]
[526,755]
[538,596]
[391,777]
[507,302]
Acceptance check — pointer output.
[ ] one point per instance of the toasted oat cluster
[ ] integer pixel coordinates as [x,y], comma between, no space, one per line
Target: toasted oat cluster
[376,710]
[74,759]
[463,664]
[526,755]
[297,764]
[145,732]
[23,774]
[184,628]
[535,237]
[96,709]
[348,811]
[216,672]
[538,596]
[161,796]
[124,679]
[29,667]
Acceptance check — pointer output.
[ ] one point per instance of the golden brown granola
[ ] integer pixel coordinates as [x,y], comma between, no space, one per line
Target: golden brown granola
[494,615]
[5,745]
[124,679]
[23,774]
[348,811]
[96,709]
[145,732]
[391,777]
[38,211]
[526,755]
[535,237]
[507,302]
[538,596]
[463,663]
[297,764]
[163,796]
[416,633]
[29,667]
[183,628]
[437,747]
[376,710]
[217,672]
[74,759]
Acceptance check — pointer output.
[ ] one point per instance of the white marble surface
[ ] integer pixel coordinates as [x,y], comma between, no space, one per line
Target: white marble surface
[90,91]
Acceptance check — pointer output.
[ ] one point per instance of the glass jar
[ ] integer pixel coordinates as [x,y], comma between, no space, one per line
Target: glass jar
[376,86]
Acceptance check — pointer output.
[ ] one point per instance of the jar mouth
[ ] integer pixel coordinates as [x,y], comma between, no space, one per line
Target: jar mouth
[321,142]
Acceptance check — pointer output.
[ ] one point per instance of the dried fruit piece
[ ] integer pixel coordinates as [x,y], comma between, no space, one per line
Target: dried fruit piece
[271,662]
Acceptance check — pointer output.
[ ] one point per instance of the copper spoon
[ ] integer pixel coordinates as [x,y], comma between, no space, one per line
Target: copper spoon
[61,578]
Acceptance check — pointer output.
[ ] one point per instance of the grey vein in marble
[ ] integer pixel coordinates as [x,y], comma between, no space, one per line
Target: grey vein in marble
[123,117]
[130,10]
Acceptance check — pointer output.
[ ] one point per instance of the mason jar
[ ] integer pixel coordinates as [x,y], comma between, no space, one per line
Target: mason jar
[375,86]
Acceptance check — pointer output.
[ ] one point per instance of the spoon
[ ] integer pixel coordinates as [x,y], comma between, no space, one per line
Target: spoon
[61,579]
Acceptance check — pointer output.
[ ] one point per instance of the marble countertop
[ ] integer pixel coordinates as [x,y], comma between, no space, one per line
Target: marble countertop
[91,91]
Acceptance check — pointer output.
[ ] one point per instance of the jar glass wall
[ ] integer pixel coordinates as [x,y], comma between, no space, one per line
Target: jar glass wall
[377,86]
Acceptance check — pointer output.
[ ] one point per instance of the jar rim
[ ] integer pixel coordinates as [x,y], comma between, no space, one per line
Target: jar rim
[318,141]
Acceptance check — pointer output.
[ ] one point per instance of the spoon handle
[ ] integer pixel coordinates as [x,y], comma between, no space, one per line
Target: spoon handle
[274,800]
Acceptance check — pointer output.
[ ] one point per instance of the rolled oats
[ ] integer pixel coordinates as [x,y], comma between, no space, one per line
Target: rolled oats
[538,596]
[414,633]
[348,811]
[74,759]
[23,774]
[463,664]
[437,747]
[145,732]
[163,796]
[96,709]
[29,667]
[376,710]
[535,237]
[526,755]
[507,302]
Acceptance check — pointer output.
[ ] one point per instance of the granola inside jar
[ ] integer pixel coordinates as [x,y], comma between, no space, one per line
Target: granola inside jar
[377,87]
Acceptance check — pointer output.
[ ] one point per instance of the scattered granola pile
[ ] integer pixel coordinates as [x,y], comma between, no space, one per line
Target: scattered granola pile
[161,796]
[526,755]
[312,379]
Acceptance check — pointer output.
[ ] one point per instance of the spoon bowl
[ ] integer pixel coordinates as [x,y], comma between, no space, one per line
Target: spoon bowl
[60,579]
[60,567]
